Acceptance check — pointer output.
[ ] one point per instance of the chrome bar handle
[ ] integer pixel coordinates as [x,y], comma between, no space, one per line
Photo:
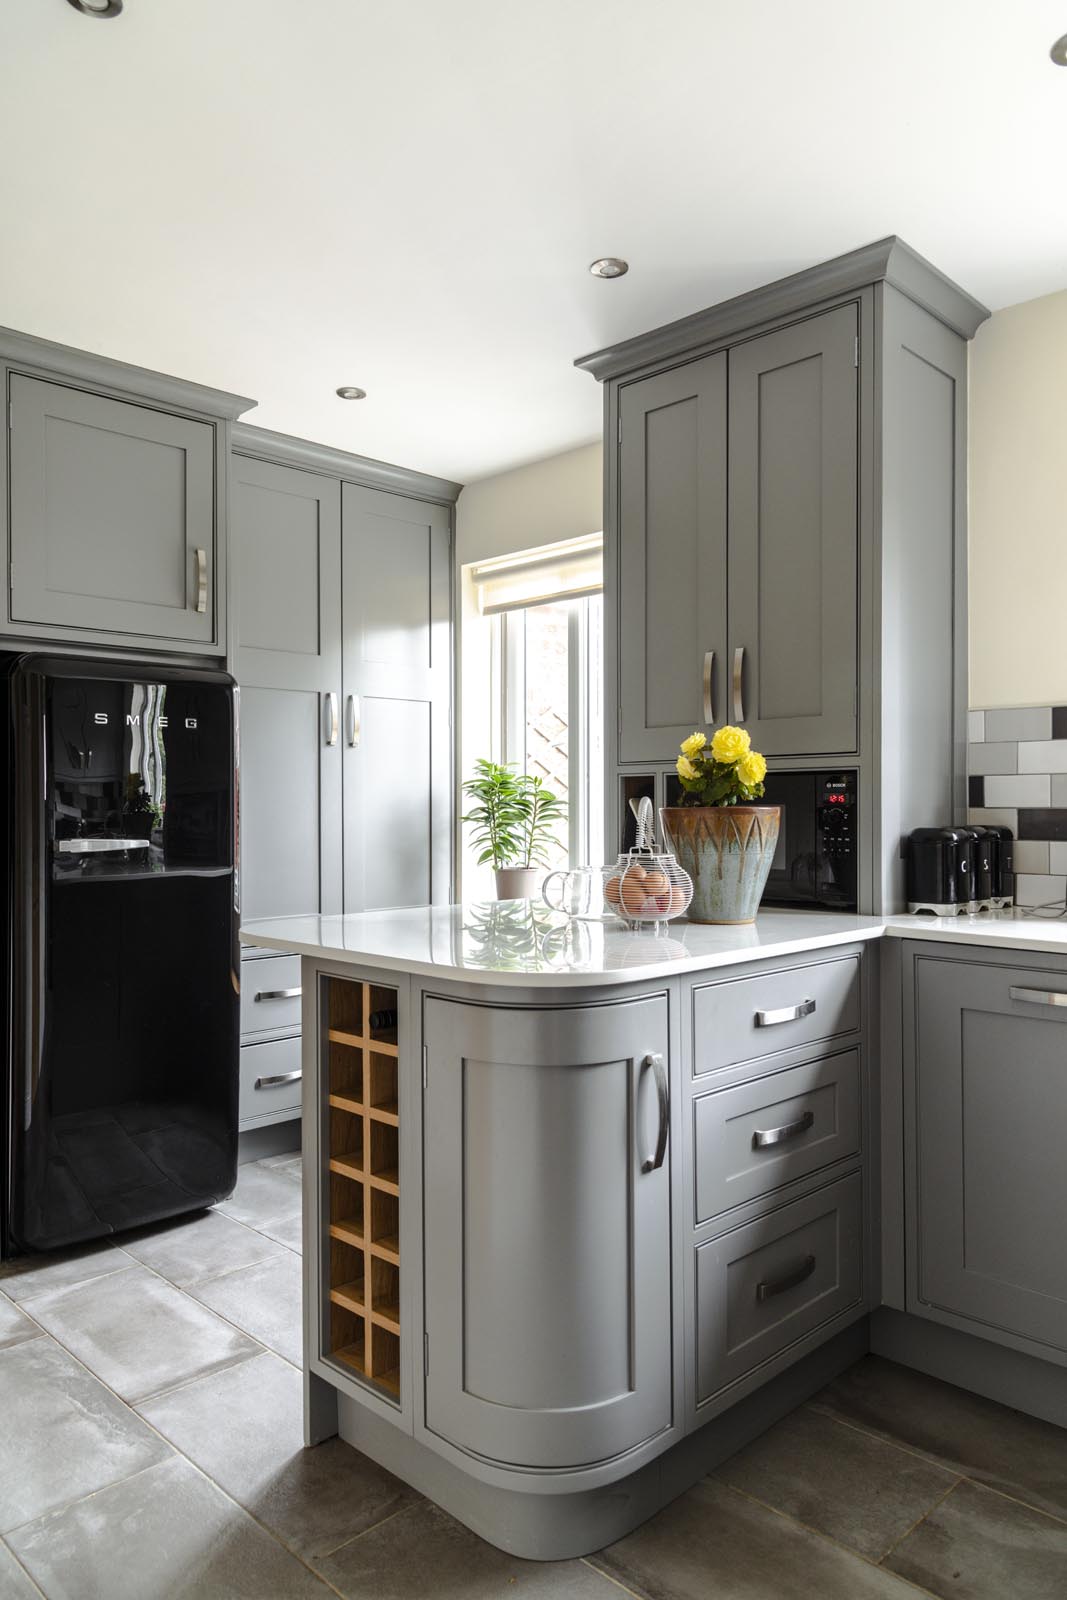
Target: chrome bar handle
[277,1080]
[739,696]
[763,1137]
[352,720]
[770,1019]
[709,695]
[764,1291]
[277,994]
[201,580]
[95,847]
[1038,997]
[660,1072]
[329,703]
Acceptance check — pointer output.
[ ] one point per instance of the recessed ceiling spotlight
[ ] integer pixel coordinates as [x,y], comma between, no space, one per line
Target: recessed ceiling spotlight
[97,8]
[348,391]
[1059,52]
[609,267]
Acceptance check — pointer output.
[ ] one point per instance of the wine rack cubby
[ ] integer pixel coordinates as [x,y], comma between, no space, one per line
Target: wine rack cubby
[363,1129]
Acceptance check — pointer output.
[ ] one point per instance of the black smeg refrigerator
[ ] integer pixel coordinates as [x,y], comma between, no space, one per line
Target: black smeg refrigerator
[121,1002]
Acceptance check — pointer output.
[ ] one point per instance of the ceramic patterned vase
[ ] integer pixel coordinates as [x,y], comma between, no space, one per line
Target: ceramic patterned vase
[727,851]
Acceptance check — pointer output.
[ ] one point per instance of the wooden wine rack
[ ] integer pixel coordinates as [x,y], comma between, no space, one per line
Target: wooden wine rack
[363,1124]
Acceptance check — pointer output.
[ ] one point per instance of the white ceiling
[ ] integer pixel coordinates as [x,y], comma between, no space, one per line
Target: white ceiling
[280,196]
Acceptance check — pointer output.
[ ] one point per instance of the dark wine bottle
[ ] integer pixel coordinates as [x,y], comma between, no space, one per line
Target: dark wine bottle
[382,1020]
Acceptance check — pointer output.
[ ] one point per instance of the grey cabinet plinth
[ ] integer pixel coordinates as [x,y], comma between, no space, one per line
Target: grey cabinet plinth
[672,558]
[547,1230]
[113,518]
[794,536]
[395,720]
[985,1135]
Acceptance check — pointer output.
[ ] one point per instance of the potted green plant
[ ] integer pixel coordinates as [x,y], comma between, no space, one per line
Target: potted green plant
[514,819]
[720,835]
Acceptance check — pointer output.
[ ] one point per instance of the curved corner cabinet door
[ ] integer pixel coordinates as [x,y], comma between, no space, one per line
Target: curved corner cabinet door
[112,518]
[672,558]
[987,1131]
[548,1248]
[794,536]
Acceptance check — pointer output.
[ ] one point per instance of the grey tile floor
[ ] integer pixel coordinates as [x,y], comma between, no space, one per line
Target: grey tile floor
[150,1449]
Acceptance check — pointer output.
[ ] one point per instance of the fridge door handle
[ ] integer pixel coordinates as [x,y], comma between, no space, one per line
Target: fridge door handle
[94,847]
[352,720]
[329,702]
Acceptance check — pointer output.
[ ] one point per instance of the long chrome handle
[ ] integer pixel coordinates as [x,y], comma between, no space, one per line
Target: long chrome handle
[1038,997]
[201,580]
[762,1137]
[764,1291]
[660,1073]
[770,1019]
[739,674]
[93,847]
[709,695]
[278,994]
[352,720]
[329,704]
[277,1080]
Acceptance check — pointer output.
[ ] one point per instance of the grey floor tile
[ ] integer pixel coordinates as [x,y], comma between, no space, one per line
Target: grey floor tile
[165,1533]
[63,1434]
[422,1551]
[262,1195]
[15,1327]
[201,1246]
[716,1542]
[288,1231]
[26,1276]
[14,1584]
[244,1428]
[291,1164]
[138,1333]
[860,1490]
[264,1300]
[977,1545]
[968,1434]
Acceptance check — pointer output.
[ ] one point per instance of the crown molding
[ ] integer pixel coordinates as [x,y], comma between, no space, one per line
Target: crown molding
[288,451]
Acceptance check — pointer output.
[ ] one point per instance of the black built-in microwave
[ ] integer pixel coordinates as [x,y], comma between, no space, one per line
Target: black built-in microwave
[815,861]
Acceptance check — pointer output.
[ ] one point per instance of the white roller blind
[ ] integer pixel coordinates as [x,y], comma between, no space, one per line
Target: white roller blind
[533,577]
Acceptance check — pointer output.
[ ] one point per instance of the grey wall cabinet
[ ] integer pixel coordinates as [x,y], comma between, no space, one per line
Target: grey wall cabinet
[794,536]
[396,581]
[547,1243]
[672,558]
[984,1135]
[115,533]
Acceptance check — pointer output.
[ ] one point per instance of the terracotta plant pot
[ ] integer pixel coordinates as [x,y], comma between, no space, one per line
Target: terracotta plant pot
[517,883]
[727,851]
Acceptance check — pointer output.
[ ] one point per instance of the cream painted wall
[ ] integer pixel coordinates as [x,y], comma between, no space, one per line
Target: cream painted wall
[560,497]
[1018,506]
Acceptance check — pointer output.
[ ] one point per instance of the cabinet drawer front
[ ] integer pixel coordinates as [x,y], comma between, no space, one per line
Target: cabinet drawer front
[756,1136]
[270,1078]
[738,1020]
[270,995]
[764,1286]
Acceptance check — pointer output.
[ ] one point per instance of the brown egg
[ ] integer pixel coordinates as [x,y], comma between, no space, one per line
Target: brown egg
[633,897]
[636,873]
[611,891]
[679,900]
[657,882]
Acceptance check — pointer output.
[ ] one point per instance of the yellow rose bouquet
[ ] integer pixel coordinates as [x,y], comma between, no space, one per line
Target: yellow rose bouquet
[728,772]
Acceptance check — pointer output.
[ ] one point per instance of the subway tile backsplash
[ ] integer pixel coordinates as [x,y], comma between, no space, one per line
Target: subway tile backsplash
[1017,776]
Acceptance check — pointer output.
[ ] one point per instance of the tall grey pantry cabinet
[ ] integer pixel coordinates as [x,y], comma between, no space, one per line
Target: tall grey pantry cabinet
[114,514]
[785,539]
[344,661]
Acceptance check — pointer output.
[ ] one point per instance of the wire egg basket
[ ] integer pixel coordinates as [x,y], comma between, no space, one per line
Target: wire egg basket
[646,888]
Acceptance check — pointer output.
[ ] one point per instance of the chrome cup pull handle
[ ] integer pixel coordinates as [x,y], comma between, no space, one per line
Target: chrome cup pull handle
[663,1099]
[709,691]
[278,994]
[763,1138]
[352,720]
[330,706]
[201,581]
[1038,997]
[276,1081]
[765,1291]
[771,1019]
[739,683]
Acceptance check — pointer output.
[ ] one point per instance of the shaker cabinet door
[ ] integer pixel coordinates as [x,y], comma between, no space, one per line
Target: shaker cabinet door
[547,1244]
[794,535]
[672,559]
[986,1130]
[287,571]
[397,686]
[112,518]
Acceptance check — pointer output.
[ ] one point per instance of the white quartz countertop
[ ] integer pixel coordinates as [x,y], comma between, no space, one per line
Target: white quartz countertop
[522,944]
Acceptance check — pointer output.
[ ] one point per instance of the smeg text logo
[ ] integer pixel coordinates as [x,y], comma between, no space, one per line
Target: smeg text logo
[133,720]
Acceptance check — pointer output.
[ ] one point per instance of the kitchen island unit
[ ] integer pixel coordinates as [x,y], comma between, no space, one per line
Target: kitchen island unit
[584,1209]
